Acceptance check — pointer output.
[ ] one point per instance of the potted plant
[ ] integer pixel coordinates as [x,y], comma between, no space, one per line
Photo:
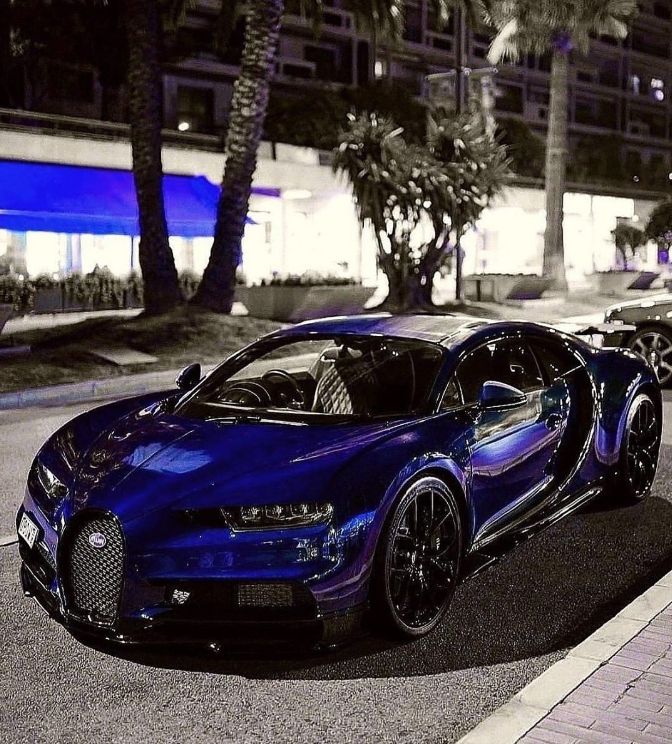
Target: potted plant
[48,295]
[500,287]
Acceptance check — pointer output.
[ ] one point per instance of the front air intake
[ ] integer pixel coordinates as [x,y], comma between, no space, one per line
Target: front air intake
[92,564]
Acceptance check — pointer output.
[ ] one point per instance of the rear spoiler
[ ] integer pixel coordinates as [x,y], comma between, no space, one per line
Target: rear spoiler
[594,329]
[595,333]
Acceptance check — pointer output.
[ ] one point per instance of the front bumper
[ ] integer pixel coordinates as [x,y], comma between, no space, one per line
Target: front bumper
[175,628]
[238,606]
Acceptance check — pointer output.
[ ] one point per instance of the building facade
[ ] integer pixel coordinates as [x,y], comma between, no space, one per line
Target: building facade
[621,93]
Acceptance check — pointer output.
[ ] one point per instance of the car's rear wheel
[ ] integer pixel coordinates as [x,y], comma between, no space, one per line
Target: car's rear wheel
[655,345]
[639,450]
[418,559]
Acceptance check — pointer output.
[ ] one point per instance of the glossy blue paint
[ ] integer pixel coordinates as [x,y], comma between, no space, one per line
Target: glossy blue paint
[165,477]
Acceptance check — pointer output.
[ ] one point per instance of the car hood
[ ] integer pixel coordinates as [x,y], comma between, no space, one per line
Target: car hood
[145,462]
[642,302]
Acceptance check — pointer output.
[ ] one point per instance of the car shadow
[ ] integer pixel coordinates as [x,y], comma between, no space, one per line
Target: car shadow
[544,596]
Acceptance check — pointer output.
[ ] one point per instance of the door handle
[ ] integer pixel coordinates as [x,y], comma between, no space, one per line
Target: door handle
[553,421]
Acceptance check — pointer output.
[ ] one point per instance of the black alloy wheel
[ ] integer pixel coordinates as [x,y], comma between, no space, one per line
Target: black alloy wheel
[655,346]
[419,559]
[639,456]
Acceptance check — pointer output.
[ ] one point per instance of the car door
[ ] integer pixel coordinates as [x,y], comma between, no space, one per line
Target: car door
[512,448]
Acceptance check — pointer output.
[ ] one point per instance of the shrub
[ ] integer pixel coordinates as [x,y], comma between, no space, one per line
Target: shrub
[308,279]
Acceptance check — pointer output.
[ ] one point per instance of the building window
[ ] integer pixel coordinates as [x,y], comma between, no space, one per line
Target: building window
[413,23]
[380,68]
[509,98]
[661,10]
[66,83]
[324,59]
[195,109]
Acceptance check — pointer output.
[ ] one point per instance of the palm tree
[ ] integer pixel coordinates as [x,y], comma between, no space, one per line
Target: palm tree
[246,121]
[540,26]
[145,105]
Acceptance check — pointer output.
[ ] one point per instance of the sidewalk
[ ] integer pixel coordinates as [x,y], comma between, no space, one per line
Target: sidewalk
[628,699]
[616,686]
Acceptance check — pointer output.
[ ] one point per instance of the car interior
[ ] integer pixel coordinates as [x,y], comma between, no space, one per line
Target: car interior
[346,377]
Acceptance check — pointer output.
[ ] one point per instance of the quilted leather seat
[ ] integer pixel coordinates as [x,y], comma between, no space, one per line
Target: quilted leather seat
[345,385]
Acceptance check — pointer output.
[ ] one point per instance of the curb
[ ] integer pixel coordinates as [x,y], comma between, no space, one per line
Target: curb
[113,387]
[514,719]
[77,392]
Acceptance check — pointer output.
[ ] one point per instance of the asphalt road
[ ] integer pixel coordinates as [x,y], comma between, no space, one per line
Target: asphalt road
[506,626]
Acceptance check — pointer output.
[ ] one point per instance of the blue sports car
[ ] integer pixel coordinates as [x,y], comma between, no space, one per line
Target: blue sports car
[336,470]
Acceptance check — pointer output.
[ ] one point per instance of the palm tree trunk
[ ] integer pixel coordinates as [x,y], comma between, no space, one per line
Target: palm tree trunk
[556,163]
[5,52]
[459,262]
[246,120]
[159,276]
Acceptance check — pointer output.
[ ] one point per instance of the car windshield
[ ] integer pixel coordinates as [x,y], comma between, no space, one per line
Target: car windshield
[318,379]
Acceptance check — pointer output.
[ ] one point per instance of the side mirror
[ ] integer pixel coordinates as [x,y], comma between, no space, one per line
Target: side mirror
[500,395]
[189,377]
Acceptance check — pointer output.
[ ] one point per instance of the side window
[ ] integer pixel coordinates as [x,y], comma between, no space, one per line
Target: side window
[451,396]
[473,371]
[555,360]
[507,361]
[515,365]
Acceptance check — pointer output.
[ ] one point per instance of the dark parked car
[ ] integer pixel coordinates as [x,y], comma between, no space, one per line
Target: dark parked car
[337,469]
[650,331]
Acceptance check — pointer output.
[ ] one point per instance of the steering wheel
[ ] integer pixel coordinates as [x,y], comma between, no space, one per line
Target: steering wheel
[297,395]
[247,393]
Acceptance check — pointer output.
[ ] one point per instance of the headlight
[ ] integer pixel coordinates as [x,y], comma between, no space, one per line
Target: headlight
[277,515]
[43,483]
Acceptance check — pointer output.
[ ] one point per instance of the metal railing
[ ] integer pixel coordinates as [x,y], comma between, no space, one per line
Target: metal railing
[19,119]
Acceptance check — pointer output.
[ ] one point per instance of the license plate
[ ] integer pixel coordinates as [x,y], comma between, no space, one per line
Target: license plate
[28,530]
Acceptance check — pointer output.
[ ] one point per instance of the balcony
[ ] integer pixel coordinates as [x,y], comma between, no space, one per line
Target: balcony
[442,42]
[291,68]
[334,20]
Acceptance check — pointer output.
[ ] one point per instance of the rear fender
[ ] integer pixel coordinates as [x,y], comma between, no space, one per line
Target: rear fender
[620,375]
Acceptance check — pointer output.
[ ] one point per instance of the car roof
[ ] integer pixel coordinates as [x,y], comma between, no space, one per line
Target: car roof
[449,331]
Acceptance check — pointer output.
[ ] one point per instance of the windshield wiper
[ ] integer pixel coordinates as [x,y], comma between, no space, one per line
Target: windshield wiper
[236,418]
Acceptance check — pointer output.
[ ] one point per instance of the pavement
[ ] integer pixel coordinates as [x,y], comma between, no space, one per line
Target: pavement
[506,627]
[626,699]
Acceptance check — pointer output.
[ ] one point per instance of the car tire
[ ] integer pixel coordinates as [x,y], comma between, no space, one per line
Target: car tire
[654,343]
[638,458]
[418,560]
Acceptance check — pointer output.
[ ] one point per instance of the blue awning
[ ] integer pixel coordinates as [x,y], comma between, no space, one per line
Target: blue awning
[99,201]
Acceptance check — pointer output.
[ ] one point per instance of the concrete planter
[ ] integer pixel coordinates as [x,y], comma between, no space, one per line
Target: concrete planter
[292,304]
[614,283]
[48,300]
[6,312]
[500,287]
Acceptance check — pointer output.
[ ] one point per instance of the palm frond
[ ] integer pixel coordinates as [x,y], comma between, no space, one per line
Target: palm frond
[539,24]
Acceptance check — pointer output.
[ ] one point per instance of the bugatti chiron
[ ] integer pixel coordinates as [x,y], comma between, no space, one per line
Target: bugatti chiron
[336,471]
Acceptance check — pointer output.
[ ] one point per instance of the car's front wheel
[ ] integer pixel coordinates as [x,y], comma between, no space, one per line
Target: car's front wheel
[418,559]
[639,450]
[655,345]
